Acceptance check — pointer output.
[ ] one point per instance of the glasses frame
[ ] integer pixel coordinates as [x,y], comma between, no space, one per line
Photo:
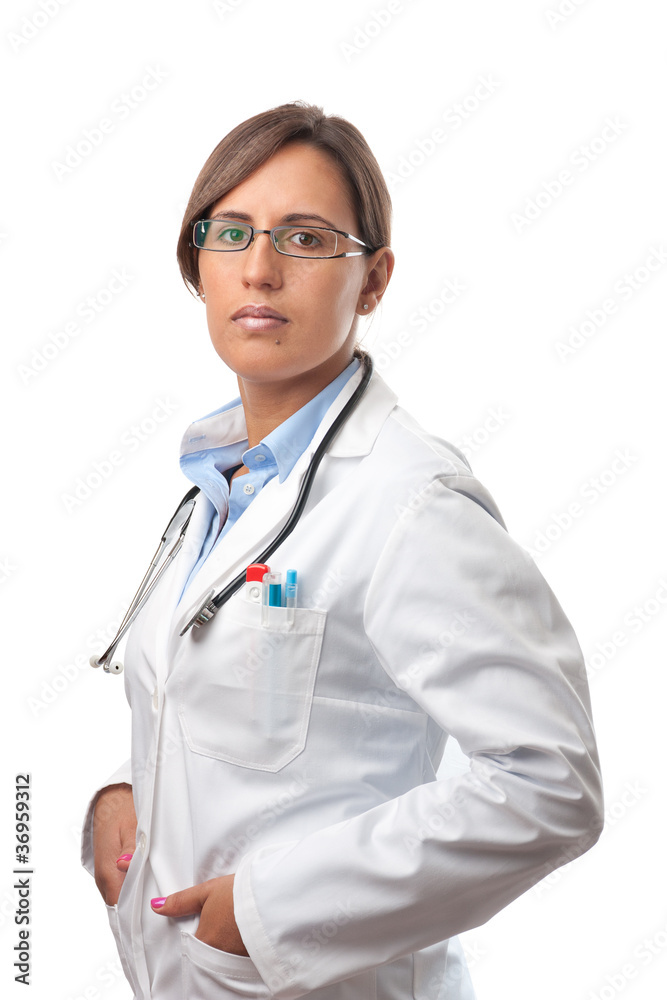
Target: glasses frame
[272,233]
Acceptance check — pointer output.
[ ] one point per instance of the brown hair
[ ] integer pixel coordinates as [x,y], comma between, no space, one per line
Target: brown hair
[255,140]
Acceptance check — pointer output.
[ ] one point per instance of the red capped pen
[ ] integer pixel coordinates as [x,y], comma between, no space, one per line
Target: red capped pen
[253,581]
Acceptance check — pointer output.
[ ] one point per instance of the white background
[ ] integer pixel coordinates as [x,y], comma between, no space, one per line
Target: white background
[579,433]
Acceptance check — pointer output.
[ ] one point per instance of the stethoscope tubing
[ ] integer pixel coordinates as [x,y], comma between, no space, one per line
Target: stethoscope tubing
[212,602]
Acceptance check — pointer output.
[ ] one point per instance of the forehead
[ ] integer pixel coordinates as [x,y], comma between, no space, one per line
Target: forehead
[298,178]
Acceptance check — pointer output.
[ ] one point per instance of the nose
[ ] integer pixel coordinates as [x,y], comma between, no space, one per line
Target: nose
[262,263]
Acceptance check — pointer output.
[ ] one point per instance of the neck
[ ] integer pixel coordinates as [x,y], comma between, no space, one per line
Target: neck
[267,404]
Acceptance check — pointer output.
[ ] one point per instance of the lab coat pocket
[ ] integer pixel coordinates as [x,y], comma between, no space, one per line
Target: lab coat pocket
[211,974]
[112,913]
[245,696]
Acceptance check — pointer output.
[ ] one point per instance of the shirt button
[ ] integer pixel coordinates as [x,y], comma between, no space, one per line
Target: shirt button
[260,458]
[142,841]
[248,488]
[155,698]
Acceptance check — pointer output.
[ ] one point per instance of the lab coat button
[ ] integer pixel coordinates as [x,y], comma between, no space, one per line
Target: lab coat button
[142,841]
[248,488]
[154,697]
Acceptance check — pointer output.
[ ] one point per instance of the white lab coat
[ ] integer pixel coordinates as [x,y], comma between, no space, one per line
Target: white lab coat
[303,758]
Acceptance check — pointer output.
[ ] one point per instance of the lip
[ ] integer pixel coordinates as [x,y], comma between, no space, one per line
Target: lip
[258,318]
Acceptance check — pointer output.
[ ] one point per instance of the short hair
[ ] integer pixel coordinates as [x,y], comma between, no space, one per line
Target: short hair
[255,140]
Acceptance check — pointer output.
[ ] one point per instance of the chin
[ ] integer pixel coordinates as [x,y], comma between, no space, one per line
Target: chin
[265,361]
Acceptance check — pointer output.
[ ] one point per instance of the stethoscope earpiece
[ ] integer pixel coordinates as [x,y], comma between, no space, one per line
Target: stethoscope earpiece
[115,667]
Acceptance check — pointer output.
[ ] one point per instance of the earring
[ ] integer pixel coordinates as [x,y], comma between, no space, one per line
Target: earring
[201,296]
[365,305]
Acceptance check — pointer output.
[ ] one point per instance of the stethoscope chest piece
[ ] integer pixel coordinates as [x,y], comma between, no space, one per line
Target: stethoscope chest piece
[201,613]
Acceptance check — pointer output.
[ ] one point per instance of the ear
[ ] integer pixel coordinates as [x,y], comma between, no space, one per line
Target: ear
[378,274]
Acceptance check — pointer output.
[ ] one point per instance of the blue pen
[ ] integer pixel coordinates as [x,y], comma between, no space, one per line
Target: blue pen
[271,594]
[290,593]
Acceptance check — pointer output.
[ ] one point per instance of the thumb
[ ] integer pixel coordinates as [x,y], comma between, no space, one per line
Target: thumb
[125,854]
[123,862]
[183,903]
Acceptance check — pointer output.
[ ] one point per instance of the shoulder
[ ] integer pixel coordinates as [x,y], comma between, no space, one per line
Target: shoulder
[406,433]
[414,461]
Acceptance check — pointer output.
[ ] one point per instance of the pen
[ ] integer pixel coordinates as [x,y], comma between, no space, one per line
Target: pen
[271,594]
[290,593]
[254,575]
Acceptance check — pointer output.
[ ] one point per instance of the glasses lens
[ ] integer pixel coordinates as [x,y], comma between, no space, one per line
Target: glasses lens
[310,242]
[219,234]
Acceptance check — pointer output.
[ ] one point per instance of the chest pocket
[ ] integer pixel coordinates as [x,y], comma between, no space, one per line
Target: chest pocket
[246,693]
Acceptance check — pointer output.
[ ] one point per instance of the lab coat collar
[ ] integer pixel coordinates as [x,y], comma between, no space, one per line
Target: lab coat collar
[270,509]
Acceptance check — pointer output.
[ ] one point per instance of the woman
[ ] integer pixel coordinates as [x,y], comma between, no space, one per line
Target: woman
[290,836]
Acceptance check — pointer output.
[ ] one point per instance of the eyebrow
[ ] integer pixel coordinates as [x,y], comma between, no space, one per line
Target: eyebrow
[231,214]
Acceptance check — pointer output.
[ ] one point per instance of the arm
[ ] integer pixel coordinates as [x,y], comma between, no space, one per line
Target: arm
[447,855]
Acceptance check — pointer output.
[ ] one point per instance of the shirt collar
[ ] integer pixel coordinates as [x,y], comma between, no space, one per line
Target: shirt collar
[220,438]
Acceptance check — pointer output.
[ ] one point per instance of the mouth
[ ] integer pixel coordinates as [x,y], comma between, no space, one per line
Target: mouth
[256,318]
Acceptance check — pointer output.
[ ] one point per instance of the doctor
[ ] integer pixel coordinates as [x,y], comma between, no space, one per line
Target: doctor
[280,830]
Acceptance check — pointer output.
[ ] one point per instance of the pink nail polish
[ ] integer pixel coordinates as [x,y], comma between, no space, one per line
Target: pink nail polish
[158,902]
[124,857]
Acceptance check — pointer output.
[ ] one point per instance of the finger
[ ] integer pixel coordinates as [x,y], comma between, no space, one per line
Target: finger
[128,840]
[108,878]
[183,903]
[123,862]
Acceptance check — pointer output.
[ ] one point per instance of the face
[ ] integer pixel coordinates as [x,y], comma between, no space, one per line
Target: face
[318,300]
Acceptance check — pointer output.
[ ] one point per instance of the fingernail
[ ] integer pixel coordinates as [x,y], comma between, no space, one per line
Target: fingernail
[158,902]
[124,857]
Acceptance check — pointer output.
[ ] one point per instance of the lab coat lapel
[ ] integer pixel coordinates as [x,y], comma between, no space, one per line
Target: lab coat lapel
[268,512]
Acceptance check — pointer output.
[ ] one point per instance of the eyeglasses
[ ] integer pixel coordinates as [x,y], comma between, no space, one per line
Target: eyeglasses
[294,241]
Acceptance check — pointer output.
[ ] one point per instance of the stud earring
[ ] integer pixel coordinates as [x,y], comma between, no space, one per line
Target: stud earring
[365,305]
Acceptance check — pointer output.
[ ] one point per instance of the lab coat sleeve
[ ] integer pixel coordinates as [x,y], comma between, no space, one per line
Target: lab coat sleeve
[447,855]
[123,774]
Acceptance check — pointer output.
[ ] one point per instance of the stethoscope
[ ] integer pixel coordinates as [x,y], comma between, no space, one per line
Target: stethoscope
[212,602]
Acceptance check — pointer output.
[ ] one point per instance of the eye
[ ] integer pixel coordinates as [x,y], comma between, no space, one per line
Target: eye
[310,242]
[231,234]
[306,239]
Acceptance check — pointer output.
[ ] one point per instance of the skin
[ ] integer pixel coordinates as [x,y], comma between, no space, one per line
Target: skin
[114,831]
[321,300]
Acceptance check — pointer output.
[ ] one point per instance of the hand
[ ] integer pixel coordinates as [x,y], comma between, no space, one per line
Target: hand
[114,833]
[214,900]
